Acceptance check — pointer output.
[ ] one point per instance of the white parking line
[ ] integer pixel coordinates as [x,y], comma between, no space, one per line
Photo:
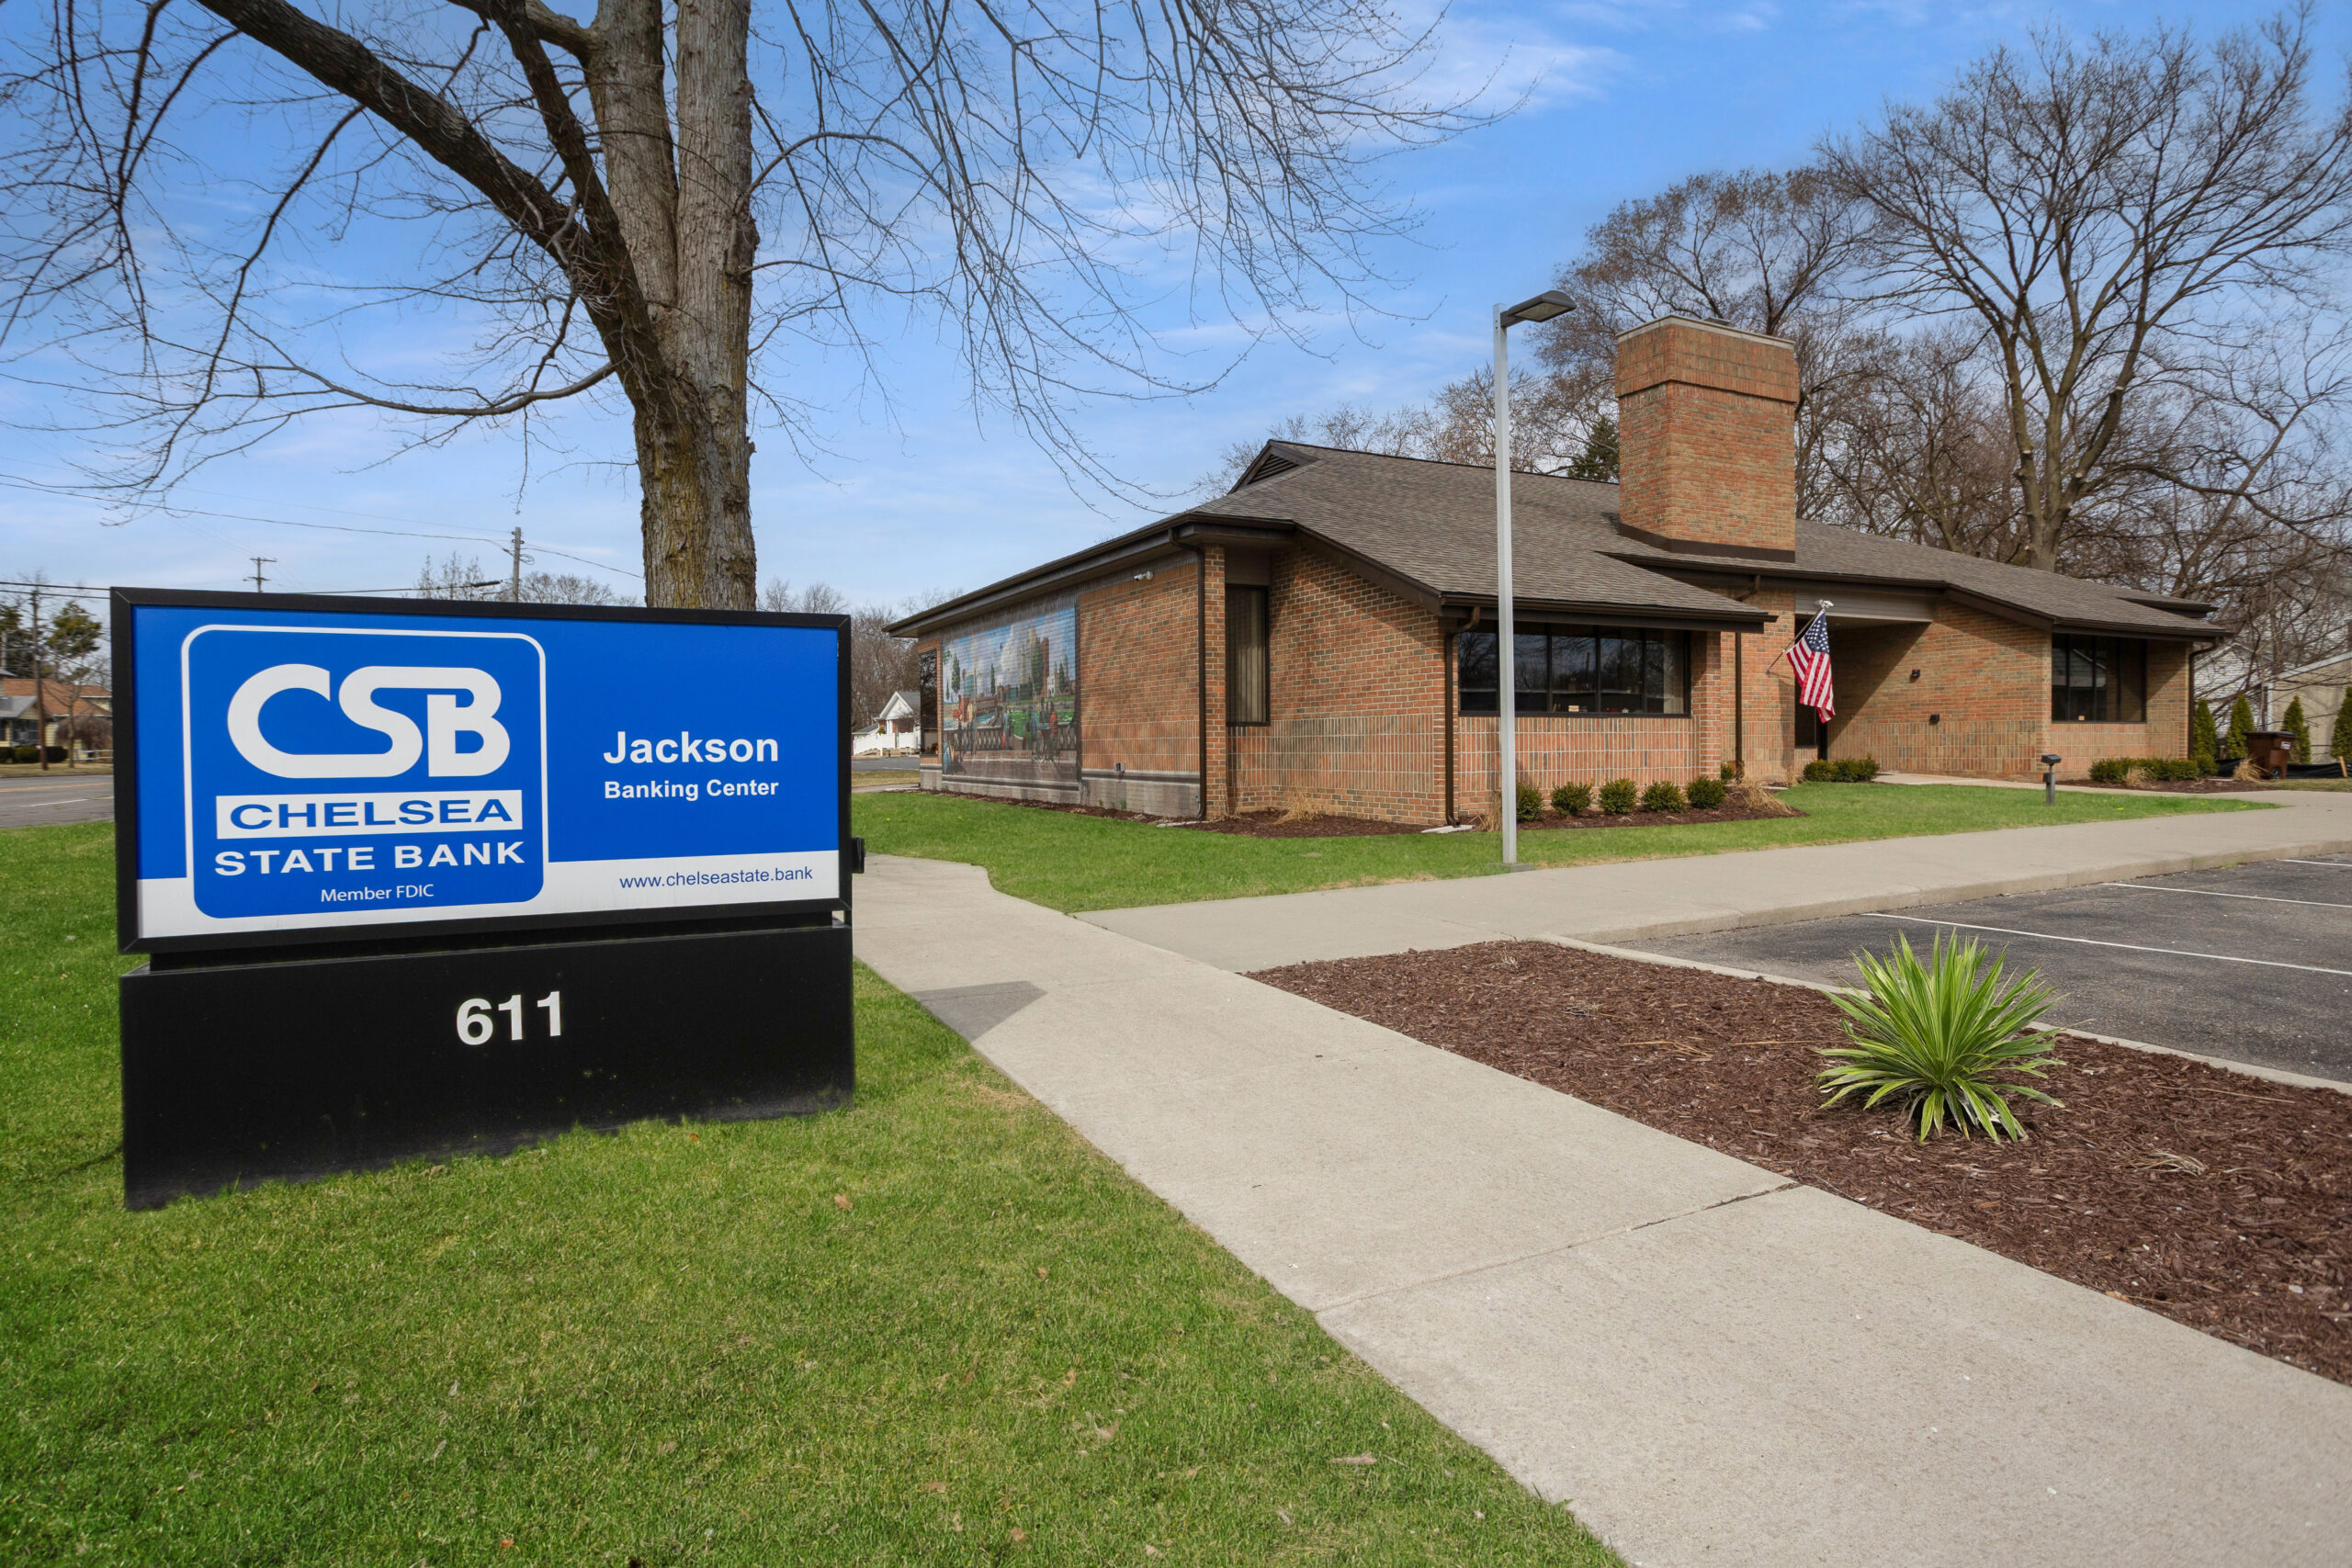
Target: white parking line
[2331,864]
[2127,946]
[2209,893]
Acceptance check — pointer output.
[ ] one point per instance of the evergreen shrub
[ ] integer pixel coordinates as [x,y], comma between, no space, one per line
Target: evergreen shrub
[1706,793]
[1531,802]
[1619,796]
[1821,770]
[1572,799]
[1662,796]
[2241,725]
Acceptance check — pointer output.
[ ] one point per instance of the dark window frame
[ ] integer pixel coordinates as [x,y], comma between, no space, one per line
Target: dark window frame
[1584,667]
[2097,679]
[1244,594]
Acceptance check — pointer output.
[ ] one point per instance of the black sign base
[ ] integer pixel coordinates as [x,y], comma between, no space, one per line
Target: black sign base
[239,1073]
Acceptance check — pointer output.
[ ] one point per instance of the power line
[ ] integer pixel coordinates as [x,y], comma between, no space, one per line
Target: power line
[93,588]
[18,482]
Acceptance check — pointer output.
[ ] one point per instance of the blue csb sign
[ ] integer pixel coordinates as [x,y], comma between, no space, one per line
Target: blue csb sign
[356,767]
[293,767]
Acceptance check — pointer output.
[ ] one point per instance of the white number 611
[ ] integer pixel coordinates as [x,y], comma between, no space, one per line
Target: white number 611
[475,1024]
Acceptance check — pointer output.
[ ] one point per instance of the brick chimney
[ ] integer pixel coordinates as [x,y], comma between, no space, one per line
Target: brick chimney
[1706,438]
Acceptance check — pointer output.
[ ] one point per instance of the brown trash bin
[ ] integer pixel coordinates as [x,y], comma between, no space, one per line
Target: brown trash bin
[2270,750]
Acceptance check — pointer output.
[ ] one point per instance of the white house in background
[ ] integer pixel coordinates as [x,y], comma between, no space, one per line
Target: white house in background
[896,730]
[2320,685]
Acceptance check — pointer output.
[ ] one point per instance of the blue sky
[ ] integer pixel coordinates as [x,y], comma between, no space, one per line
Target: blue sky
[923,494]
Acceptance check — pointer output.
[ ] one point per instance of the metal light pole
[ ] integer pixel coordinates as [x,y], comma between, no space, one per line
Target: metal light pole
[1543,308]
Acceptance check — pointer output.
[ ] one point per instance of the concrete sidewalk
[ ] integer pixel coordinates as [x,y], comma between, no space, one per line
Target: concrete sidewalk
[1643,899]
[1709,1364]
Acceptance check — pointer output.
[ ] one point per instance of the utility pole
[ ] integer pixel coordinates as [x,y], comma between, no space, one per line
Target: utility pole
[260,561]
[515,571]
[41,697]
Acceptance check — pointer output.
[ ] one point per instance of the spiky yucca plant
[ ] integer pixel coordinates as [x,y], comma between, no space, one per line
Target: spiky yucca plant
[1943,1038]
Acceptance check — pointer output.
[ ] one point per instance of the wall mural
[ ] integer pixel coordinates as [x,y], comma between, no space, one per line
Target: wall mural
[1008,700]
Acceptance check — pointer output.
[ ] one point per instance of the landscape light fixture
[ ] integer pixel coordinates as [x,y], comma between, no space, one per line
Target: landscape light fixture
[2050,760]
[1543,308]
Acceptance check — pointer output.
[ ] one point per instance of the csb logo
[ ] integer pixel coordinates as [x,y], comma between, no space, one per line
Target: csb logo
[345,769]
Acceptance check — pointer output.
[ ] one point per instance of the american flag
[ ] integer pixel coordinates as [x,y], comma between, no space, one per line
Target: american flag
[1809,657]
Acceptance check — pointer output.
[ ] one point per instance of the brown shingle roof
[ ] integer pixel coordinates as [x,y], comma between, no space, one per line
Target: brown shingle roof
[1429,528]
[1434,522]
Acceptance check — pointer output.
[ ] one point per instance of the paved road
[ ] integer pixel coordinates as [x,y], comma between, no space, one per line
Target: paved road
[2253,963]
[60,796]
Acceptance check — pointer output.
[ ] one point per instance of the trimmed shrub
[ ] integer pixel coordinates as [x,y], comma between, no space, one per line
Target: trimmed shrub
[1662,796]
[2111,770]
[1572,799]
[1821,770]
[1619,796]
[2296,725]
[2241,725]
[1857,769]
[2176,769]
[2339,739]
[1706,793]
[1727,772]
[1942,1040]
[2204,741]
[1531,802]
[24,754]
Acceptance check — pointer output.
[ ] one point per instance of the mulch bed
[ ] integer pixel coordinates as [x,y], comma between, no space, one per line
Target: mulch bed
[1278,824]
[2183,786]
[1726,812]
[2219,1200]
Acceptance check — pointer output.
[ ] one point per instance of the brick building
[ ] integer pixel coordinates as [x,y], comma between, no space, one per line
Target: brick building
[1322,636]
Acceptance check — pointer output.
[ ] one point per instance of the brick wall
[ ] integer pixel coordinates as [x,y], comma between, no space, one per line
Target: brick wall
[2165,733]
[1706,435]
[1356,709]
[1980,708]
[1139,700]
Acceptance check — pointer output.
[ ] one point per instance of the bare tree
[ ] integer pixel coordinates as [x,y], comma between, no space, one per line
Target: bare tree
[2108,215]
[779,597]
[457,577]
[567,588]
[662,201]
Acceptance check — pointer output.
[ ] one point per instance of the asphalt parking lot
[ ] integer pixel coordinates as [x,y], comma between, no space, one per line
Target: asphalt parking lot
[58,796]
[2253,963]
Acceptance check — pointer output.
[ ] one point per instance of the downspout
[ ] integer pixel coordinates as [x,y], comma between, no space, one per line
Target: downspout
[1201,669]
[1453,652]
[1739,684]
[2189,709]
[1446,696]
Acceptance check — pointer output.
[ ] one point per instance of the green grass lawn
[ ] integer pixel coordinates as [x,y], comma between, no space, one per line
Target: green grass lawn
[936,1327]
[1069,861]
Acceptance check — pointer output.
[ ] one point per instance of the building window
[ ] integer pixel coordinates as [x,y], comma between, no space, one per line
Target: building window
[1247,688]
[1580,670]
[2098,680]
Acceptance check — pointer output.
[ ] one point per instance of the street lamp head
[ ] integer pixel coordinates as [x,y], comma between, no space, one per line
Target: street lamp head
[1543,308]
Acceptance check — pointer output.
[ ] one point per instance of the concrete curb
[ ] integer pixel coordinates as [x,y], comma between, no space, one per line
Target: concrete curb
[1995,887]
[1665,961]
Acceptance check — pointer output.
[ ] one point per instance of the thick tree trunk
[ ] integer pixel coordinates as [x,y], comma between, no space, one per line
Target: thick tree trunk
[684,206]
[698,503]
